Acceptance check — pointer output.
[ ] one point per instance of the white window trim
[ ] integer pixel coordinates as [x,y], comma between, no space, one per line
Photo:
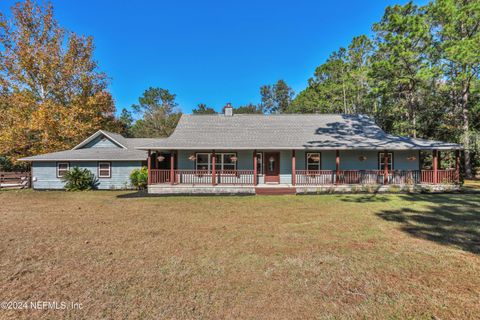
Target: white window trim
[223,154]
[63,170]
[308,155]
[100,169]
[221,163]
[260,161]
[203,163]
[381,161]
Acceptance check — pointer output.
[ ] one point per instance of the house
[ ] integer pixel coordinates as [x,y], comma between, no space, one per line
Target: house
[110,156]
[290,153]
[258,154]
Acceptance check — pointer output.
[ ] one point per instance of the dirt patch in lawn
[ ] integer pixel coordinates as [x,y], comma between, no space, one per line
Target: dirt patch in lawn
[332,256]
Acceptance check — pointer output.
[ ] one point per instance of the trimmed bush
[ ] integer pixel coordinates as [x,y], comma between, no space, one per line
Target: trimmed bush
[139,178]
[79,180]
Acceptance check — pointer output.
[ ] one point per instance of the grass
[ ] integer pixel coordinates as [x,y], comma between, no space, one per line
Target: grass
[471,186]
[325,257]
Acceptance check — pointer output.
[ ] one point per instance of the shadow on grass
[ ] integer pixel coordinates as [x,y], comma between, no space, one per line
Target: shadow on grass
[134,194]
[471,186]
[145,194]
[366,198]
[448,219]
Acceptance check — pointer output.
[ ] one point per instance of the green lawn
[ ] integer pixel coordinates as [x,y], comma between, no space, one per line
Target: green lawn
[330,256]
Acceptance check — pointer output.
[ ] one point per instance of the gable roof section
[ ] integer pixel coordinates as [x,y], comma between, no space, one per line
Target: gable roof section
[249,132]
[287,131]
[114,137]
[125,152]
[91,154]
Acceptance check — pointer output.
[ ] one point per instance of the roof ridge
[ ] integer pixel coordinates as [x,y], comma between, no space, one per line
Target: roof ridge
[278,114]
[110,132]
[146,138]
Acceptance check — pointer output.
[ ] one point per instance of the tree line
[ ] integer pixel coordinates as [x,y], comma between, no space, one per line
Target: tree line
[417,74]
[51,92]
[158,112]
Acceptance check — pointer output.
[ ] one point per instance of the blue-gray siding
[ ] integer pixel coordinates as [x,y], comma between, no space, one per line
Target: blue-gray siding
[44,174]
[349,160]
[101,142]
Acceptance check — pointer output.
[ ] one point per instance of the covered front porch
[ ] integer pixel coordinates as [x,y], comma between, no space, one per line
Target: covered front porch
[294,171]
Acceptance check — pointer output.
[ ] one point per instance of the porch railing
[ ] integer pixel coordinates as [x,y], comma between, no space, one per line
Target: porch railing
[202,177]
[192,177]
[315,177]
[159,176]
[306,177]
[234,177]
[443,176]
[325,177]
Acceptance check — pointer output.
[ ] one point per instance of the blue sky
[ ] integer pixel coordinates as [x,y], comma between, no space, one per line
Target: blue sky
[213,52]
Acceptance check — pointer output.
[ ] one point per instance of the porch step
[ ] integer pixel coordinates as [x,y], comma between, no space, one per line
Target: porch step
[265,191]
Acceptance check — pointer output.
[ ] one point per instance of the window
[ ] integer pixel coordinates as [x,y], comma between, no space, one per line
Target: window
[203,161]
[381,161]
[259,162]
[62,168]
[229,161]
[271,164]
[313,161]
[223,161]
[104,170]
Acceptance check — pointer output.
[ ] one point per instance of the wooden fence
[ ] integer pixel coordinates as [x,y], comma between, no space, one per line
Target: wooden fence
[15,180]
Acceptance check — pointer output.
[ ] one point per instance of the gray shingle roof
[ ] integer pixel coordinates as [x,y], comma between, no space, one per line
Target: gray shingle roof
[138,142]
[287,131]
[129,153]
[277,132]
[91,154]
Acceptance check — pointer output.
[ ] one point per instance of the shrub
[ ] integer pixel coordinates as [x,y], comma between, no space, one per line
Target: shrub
[79,179]
[139,178]
[6,164]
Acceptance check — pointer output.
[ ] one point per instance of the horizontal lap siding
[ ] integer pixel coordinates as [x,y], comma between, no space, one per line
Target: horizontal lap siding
[286,167]
[99,142]
[402,163]
[245,159]
[349,160]
[327,159]
[245,162]
[120,174]
[183,161]
[45,174]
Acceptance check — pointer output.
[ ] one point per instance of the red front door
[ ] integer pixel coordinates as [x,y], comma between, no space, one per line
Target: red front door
[272,167]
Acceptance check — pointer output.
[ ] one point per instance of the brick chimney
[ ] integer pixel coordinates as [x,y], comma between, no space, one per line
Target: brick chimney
[228,110]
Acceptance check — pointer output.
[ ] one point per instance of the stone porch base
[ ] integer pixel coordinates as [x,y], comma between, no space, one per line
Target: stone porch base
[392,188]
[200,190]
[165,189]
